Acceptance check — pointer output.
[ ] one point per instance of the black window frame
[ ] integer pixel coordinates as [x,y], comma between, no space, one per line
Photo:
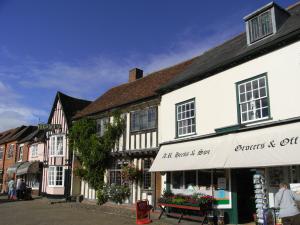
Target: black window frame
[136,119]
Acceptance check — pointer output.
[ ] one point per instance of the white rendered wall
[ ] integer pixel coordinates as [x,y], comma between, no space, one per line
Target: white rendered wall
[215,97]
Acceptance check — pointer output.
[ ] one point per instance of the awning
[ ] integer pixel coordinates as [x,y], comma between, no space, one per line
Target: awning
[192,155]
[273,146]
[263,147]
[13,169]
[28,168]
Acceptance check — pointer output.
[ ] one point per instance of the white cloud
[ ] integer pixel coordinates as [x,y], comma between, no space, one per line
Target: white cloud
[12,113]
[90,77]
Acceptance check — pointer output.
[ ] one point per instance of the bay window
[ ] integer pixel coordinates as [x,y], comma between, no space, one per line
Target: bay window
[57,145]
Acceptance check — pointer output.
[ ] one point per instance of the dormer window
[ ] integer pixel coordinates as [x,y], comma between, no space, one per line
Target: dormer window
[260,26]
[264,22]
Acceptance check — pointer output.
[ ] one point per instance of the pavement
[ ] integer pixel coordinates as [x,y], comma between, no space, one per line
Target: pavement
[42,211]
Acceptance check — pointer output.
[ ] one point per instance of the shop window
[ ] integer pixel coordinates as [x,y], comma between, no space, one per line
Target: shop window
[34,150]
[190,178]
[253,102]
[1,152]
[21,150]
[101,125]
[186,118]
[204,178]
[56,145]
[55,176]
[177,180]
[146,174]
[143,119]
[10,152]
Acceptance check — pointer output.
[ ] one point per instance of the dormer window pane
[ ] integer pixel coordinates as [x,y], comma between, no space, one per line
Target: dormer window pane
[260,26]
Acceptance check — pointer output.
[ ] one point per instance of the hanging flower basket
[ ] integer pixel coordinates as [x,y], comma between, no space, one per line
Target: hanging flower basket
[130,173]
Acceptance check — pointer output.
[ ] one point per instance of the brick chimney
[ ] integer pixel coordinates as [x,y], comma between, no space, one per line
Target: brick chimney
[135,74]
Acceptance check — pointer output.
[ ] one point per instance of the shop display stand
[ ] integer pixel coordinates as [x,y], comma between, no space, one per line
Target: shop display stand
[261,200]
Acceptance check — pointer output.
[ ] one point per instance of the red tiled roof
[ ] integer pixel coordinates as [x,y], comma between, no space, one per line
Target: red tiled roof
[133,91]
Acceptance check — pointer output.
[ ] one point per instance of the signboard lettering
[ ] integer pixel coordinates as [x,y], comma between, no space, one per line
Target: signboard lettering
[49,126]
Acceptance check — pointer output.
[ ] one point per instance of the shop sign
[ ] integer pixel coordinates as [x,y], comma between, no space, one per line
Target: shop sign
[49,126]
[192,153]
[273,144]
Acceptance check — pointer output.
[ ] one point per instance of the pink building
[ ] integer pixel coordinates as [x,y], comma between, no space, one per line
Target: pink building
[57,156]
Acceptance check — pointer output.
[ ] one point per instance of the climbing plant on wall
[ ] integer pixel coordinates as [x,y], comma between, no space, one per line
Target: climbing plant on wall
[92,150]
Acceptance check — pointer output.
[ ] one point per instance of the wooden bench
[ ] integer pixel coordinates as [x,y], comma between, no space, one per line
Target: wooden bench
[183,208]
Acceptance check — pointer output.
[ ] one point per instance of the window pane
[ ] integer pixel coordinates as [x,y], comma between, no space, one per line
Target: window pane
[249,96]
[265,112]
[242,88]
[258,114]
[248,86]
[204,178]
[244,107]
[264,102]
[262,82]
[59,145]
[262,92]
[255,94]
[190,178]
[242,98]
[177,179]
[244,117]
[255,84]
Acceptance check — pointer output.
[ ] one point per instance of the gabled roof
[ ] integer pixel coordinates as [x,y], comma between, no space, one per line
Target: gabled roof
[132,92]
[69,105]
[236,51]
[9,134]
[22,133]
[35,133]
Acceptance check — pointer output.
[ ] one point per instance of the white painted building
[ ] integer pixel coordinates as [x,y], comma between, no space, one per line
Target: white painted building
[233,113]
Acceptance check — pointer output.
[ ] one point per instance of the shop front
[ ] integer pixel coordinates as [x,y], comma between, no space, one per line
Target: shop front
[31,172]
[242,170]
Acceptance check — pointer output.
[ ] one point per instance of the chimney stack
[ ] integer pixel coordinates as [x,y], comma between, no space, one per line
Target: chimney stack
[135,74]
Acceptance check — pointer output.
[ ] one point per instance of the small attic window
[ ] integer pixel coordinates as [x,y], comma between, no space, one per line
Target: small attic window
[264,22]
[260,26]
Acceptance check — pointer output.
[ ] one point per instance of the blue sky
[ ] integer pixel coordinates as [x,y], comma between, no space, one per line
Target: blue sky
[83,48]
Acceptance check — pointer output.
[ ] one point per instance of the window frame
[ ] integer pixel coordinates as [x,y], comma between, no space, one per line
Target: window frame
[259,37]
[139,112]
[239,115]
[176,121]
[102,122]
[20,156]
[53,148]
[10,150]
[55,176]
[35,148]
[2,152]
[146,173]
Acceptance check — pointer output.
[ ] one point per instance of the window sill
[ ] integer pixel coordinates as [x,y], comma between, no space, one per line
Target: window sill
[187,135]
[256,121]
[55,186]
[56,156]
[143,131]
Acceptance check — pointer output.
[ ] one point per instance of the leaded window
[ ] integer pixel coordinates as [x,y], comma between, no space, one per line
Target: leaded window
[260,26]
[253,99]
[143,119]
[146,174]
[186,118]
[101,125]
